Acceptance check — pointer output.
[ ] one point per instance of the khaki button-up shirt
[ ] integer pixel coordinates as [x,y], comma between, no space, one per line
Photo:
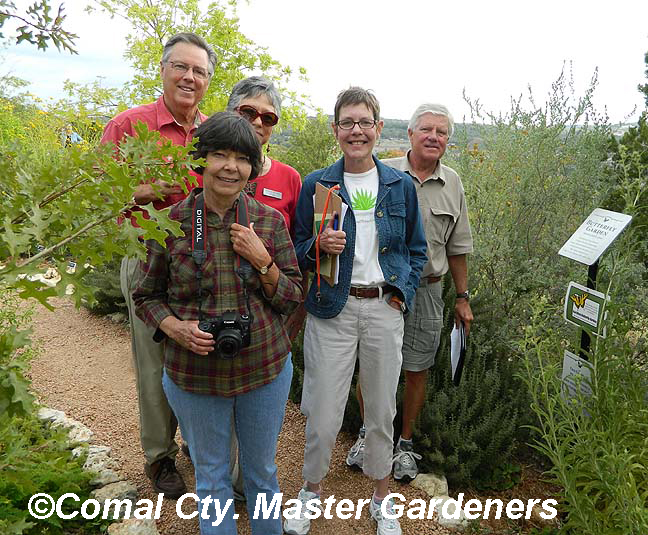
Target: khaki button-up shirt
[442,202]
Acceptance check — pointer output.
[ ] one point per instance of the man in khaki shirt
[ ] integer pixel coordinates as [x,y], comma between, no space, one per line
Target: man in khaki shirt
[445,219]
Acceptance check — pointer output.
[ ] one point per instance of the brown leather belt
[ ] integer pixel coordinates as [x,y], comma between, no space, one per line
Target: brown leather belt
[430,279]
[365,293]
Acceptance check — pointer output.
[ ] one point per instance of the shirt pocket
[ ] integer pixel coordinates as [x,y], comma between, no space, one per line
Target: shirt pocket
[183,283]
[439,225]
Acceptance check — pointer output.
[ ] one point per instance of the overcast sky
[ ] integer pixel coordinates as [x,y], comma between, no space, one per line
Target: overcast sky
[407,51]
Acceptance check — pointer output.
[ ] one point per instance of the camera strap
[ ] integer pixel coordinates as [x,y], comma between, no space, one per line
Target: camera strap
[199,244]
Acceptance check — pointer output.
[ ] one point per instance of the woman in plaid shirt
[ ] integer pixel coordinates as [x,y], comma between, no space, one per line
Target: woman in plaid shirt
[206,389]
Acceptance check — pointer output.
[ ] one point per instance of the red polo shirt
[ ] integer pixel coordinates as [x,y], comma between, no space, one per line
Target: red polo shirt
[157,117]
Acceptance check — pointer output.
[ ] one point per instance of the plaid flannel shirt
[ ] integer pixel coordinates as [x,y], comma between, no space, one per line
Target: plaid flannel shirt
[169,287]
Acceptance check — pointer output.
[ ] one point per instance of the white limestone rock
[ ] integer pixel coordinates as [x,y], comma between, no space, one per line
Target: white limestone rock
[433,484]
[448,515]
[134,527]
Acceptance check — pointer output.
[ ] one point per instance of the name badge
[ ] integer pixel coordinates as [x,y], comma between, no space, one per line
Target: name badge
[271,193]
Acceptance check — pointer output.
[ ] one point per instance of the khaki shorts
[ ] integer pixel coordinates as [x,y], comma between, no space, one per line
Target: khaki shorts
[423,327]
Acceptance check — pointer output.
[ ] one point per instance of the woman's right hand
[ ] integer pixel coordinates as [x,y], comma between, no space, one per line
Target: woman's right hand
[332,241]
[188,335]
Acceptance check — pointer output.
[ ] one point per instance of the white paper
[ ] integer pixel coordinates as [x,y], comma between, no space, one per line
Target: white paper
[345,207]
[455,347]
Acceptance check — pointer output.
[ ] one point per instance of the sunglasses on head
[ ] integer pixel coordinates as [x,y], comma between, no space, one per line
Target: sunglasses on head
[250,113]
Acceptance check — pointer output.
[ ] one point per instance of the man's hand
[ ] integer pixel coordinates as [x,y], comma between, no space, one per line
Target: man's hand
[463,313]
[188,335]
[332,241]
[295,322]
[144,193]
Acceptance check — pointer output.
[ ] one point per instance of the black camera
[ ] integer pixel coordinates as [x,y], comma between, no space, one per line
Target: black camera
[231,332]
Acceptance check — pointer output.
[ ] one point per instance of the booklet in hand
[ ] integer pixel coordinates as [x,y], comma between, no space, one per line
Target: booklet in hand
[328,263]
[457,352]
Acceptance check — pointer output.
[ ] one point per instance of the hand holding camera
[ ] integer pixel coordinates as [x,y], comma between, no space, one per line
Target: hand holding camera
[188,334]
[231,331]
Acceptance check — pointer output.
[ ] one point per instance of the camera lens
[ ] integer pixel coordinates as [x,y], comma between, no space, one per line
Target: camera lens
[229,343]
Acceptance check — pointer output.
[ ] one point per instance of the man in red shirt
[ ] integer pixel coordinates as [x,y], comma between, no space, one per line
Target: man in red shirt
[187,65]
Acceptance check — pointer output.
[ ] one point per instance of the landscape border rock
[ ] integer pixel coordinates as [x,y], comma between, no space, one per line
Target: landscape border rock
[433,484]
[109,483]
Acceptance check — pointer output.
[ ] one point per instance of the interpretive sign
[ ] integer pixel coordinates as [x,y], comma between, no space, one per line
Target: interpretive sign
[594,236]
[584,308]
[576,375]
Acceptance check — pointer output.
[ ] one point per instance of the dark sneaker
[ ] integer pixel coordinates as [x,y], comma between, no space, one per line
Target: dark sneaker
[404,462]
[165,478]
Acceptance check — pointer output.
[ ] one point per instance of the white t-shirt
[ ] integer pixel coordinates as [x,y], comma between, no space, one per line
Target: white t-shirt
[363,190]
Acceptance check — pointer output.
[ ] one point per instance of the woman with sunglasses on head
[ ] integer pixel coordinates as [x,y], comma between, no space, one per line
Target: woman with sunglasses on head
[278,185]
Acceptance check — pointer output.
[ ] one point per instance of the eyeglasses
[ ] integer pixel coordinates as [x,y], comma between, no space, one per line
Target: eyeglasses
[251,113]
[183,68]
[348,124]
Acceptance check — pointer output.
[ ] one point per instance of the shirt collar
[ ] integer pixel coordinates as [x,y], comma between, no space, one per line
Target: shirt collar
[165,117]
[436,175]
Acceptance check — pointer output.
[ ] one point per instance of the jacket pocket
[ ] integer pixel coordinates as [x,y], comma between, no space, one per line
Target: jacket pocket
[397,213]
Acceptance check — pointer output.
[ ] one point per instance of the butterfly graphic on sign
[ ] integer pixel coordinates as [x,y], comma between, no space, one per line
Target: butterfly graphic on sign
[579,300]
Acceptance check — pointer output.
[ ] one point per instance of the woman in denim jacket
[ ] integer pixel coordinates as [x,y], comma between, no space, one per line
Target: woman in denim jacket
[381,251]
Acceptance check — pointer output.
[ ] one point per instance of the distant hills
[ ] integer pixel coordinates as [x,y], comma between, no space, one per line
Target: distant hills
[394,134]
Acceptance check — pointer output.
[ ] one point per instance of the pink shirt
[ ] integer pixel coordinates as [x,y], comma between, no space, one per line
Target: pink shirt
[157,117]
[278,188]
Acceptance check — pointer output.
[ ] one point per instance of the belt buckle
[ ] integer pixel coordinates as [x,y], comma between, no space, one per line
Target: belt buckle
[360,292]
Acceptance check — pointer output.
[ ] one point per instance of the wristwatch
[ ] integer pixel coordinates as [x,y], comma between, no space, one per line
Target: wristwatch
[464,295]
[264,270]
[396,299]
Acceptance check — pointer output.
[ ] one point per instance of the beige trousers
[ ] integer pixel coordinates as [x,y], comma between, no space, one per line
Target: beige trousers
[158,424]
[368,330]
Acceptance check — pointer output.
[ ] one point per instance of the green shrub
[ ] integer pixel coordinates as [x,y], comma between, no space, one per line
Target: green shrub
[15,353]
[106,288]
[469,432]
[310,148]
[597,444]
[37,459]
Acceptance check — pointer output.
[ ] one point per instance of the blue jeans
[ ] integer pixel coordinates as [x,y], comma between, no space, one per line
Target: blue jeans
[205,422]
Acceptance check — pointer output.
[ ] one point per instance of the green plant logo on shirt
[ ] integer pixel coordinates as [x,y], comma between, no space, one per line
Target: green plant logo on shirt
[363,200]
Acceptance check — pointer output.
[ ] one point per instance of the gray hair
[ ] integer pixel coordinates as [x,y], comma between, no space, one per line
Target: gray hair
[191,39]
[253,87]
[434,109]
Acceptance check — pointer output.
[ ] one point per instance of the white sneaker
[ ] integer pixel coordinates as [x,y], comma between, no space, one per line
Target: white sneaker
[301,525]
[355,457]
[386,526]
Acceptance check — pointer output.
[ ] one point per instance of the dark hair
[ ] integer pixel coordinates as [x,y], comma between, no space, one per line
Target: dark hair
[357,95]
[227,130]
[252,87]
[191,39]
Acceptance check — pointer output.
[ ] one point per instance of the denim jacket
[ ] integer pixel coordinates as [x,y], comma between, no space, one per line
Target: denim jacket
[401,239]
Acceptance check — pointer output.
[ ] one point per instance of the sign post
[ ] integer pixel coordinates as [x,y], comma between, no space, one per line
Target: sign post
[586,246]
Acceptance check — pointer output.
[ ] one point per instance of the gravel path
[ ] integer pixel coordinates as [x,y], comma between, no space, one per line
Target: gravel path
[85,369]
